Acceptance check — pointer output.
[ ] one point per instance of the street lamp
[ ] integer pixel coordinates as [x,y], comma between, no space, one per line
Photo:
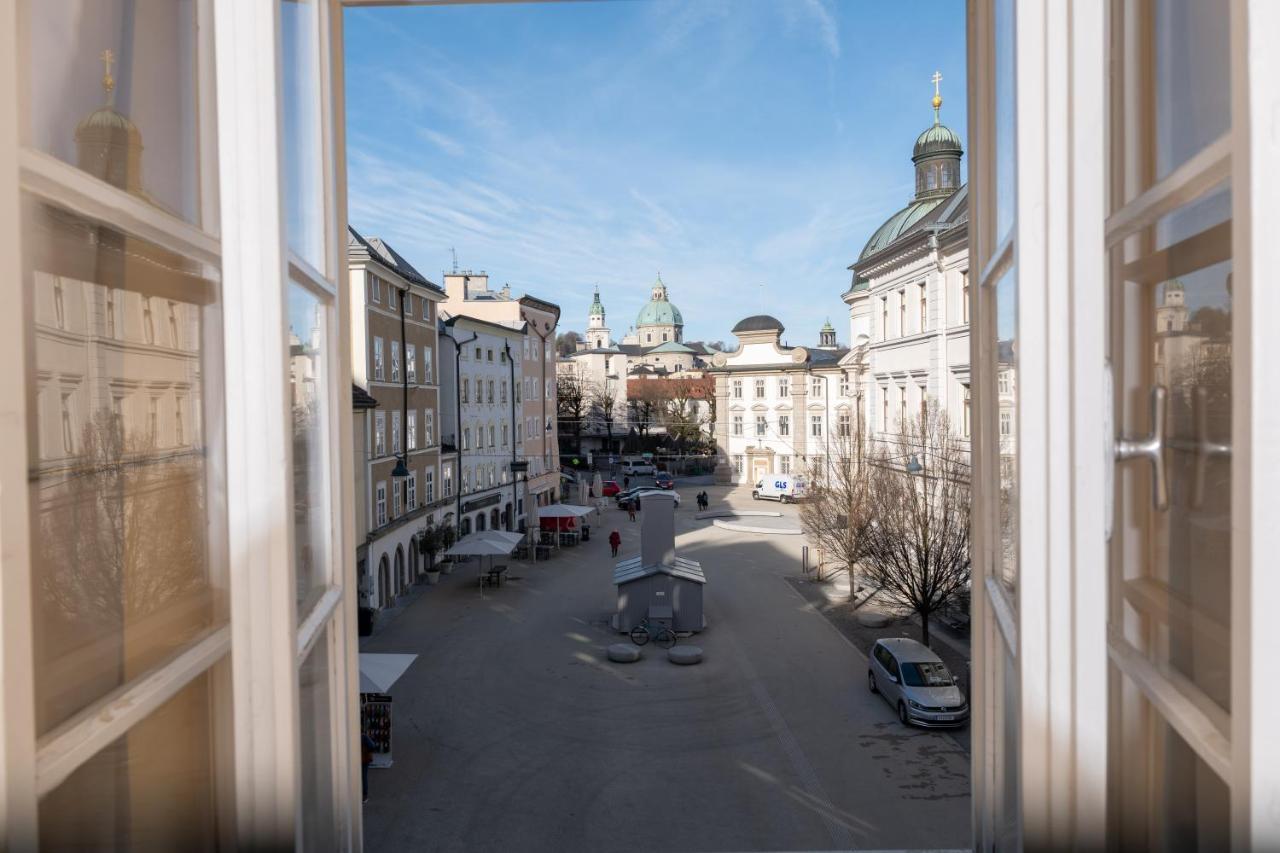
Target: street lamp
[401,471]
[913,465]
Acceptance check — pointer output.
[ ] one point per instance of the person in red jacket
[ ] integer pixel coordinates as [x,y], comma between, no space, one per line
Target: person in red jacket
[615,541]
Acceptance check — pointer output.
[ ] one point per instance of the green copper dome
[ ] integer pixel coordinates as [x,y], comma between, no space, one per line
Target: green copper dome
[898,224]
[659,311]
[936,140]
[596,310]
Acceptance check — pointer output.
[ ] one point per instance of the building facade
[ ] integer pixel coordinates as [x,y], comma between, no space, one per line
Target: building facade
[395,335]
[536,427]
[780,409]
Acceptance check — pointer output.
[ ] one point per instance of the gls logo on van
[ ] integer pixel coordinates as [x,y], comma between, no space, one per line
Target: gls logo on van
[779,484]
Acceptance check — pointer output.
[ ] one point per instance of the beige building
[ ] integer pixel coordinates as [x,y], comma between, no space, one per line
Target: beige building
[468,294]
[396,339]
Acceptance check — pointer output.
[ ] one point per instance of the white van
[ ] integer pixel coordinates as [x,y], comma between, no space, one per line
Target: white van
[786,488]
[632,467]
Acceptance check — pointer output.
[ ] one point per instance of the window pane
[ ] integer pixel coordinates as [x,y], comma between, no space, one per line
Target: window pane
[127,563]
[153,789]
[1004,117]
[317,819]
[115,94]
[1192,105]
[1006,394]
[303,170]
[307,327]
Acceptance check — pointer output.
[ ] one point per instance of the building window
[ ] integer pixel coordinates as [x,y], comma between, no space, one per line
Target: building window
[466,481]
[488,355]
[68,433]
[884,318]
[429,486]
[902,409]
[1006,423]
[737,464]
[759,389]
[380,505]
[490,390]
[395,496]
[411,363]
[395,361]
[964,423]
[111,312]
[784,386]
[377,360]
[515,389]
[426,365]
[505,430]
[447,485]
[479,353]
[924,407]
[391,297]
[964,297]
[815,387]
[737,424]
[395,432]
[173,326]
[379,434]
[411,430]
[844,385]
[1002,382]
[842,425]
[902,313]
[428,427]
[426,309]
[148,322]
[502,398]
[411,492]
[737,389]
[762,426]
[924,306]
[784,463]
[784,425]
[884,409]
[815,426]
[492,443]
[466,438]
[179,431]
[375,289]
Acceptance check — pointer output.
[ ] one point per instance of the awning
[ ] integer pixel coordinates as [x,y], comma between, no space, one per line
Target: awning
[564,511]
[539,489]
[482,545]
[505,537]
[379,671]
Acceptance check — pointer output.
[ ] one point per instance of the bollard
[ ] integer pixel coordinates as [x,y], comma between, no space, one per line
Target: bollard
[804,560]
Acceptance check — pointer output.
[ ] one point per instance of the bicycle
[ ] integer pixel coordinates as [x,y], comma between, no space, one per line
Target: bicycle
[662,636]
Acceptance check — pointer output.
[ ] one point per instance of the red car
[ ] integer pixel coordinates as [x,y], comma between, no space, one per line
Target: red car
[609,488]
[663,480]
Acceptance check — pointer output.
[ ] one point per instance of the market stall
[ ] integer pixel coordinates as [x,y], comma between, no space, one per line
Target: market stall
[377,673]
[566,523]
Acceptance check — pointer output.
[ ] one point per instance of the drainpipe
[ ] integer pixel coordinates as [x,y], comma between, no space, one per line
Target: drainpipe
[511,432]
[542,427]
[457,437]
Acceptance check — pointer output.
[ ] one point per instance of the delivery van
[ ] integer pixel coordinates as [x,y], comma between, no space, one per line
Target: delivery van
[633,467]
[786,488]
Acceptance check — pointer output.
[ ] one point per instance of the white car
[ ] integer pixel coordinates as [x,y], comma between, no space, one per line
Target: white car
[634,467]
[623,498]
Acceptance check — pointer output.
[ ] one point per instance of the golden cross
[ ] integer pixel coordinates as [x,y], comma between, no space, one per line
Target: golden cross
[937,78]
[108,82]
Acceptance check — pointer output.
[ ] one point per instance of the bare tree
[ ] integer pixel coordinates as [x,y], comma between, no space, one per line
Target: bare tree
[915,547]
[838,506]
[567,342]
[603,402]
[573,403]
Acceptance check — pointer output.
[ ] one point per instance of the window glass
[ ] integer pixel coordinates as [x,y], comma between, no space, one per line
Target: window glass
[1004,117]
[316,741]
[928,674]
[1190,41]
[1006,354]
[152,789]
[308,323]
[118,99]
[302,141]
[126,522]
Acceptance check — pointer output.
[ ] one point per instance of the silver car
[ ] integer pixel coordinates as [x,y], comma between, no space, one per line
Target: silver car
[916,683]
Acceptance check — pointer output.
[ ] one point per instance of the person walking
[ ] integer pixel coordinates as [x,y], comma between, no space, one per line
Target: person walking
[615,541]
[631,509]
[626,481]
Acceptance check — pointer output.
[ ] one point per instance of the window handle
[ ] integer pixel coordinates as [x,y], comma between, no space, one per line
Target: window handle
[1150,448]
[1206,450]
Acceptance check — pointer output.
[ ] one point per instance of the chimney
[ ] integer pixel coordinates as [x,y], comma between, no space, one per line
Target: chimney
[658,530]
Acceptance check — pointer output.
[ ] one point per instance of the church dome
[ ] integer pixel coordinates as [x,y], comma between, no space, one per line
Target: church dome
[659,311]
[936,140]
[758,323]
[597,309]
[898,224]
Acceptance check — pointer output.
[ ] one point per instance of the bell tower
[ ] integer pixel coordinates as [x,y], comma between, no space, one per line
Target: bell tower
[597,331]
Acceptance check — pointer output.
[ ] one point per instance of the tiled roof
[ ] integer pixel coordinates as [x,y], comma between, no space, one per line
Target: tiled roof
[379,250]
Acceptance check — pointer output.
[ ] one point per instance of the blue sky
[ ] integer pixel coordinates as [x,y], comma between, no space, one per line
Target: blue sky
[744,148]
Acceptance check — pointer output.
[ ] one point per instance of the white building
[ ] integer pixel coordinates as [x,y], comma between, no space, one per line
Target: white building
[780,409]
[482,419]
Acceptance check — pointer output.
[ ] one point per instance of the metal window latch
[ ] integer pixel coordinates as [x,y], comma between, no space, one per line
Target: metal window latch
[1205,449]
[1150,448]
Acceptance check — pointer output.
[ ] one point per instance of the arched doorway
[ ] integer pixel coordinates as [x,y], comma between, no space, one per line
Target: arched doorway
[465,528]
[400,582]
[506,517]
[495,520]
[480,522]
[384,582]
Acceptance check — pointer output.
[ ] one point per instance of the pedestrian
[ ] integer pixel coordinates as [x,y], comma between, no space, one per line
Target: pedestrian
[626,481]
[615,541]
[631,509]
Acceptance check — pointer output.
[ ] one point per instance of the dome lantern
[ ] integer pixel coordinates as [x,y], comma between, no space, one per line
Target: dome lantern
[937,153]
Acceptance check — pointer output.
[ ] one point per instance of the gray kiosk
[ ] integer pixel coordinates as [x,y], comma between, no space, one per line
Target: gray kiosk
[658,585]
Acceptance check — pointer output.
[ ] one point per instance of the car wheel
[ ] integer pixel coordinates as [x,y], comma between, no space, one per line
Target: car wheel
[871,682]
[755,496]
[902,714]
[784,499]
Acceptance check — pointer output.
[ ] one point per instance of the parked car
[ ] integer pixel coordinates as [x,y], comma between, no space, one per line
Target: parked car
[784,488]
[916,683]
[624,498]
[634,467]
[609,488]
[663,480]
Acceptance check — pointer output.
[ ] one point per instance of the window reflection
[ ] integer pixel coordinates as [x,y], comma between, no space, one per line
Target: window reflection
[307,324]
[1004,117]
[121,100]
[300,65]
[1006,426]
[125,524]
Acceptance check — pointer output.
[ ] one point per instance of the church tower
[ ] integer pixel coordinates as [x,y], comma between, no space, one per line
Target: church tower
[937,154]
[827,336]
[1171,315]
[108,145]
[597,331]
